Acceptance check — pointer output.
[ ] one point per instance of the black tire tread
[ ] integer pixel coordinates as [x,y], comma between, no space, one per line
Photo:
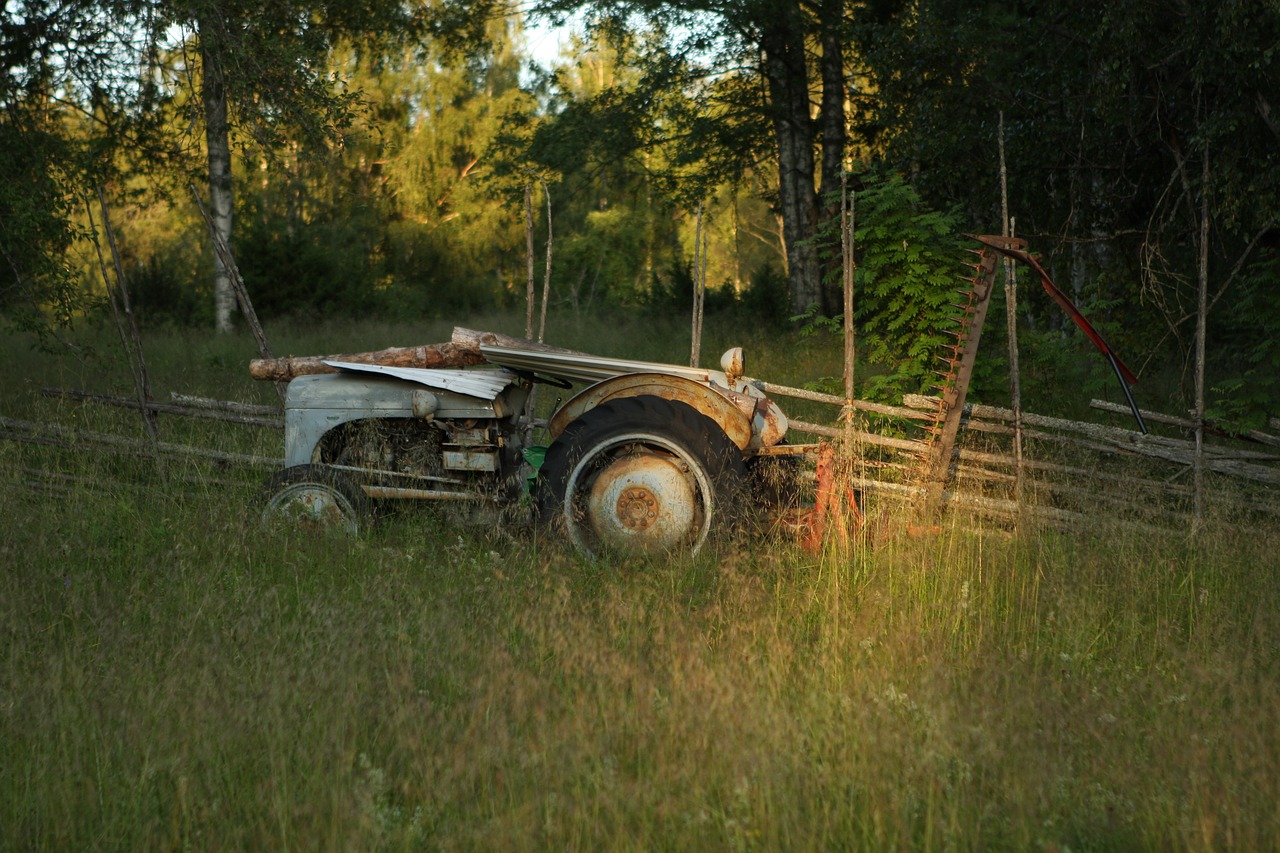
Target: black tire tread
[698,434]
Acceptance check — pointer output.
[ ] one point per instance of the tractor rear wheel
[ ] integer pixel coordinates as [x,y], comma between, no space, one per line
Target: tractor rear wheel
[641,475]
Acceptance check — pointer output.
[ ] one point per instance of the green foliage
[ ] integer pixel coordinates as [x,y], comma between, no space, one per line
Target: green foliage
[301,272]
[766,297]
[389,146]
[1249,394]
[1112,111]
[61,105]
[160,291]
[909,267]
[37,229]
[424,276]
[275,56]
[672,294]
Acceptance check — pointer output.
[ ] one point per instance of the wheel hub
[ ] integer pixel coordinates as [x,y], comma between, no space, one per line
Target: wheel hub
[638,508]
[643,502]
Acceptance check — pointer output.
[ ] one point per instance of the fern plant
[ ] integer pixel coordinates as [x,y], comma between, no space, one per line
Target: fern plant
[909,264]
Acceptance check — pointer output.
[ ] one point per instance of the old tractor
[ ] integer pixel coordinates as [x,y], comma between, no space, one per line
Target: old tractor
[646,457]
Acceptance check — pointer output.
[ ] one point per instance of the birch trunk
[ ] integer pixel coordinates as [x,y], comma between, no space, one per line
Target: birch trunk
[218,142]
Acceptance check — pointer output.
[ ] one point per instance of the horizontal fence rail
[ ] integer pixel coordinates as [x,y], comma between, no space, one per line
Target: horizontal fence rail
[1070,471]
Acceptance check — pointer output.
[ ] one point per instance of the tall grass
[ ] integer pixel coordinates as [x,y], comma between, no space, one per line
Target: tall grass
[171,675]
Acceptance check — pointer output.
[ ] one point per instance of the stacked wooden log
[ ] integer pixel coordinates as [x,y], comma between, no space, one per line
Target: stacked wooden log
[463,350]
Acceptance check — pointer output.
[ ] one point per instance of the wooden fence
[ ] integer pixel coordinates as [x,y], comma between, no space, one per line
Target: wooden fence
[1069,471]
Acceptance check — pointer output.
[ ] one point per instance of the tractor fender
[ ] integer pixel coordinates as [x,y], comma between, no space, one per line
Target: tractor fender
[750,422]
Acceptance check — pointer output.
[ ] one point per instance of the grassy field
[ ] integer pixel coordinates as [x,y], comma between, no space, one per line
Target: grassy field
[173,676]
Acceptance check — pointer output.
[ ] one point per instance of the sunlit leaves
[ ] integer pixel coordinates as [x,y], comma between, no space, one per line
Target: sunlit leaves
[908,267]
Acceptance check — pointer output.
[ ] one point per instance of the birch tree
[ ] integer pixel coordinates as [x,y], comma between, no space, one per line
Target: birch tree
[262,78]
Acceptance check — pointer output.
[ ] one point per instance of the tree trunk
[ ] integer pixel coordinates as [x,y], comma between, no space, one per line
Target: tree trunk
[784,69]
[832,120]
[218,141]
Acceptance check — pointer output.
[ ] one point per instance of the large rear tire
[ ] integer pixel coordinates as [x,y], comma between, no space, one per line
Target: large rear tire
[641,475]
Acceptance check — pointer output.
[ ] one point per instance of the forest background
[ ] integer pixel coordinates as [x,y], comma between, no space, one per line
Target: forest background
[380,158]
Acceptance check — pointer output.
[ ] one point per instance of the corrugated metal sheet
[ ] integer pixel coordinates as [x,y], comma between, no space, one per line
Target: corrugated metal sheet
[589,368]
[485,384]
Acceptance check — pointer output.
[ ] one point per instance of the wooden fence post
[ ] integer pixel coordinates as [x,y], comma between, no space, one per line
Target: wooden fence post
[699,291]
[1011,319]
[528,255]
[1202,319]
[546,276]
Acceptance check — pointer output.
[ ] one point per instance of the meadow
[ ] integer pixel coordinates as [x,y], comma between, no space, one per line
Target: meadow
[172,675]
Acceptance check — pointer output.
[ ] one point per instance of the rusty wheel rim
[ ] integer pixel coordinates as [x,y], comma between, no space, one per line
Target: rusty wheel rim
[638,494]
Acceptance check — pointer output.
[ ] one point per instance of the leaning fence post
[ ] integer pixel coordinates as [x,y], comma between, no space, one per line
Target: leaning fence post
[138,369]
[531,405]
[237,283]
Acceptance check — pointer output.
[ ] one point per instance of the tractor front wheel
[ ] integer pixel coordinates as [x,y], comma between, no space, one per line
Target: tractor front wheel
[317,497]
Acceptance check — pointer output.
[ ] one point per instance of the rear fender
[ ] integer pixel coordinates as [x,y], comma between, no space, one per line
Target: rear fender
[749,422]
